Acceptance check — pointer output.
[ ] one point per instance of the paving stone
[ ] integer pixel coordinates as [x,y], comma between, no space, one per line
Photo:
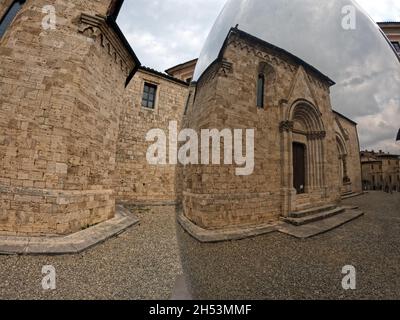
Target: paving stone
[141,263]
[181,290]
[278,266]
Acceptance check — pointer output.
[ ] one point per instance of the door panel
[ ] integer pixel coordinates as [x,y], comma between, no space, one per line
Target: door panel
[299,167]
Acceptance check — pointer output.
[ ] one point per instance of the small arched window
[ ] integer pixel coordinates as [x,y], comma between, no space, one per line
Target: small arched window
[260,90]
[9,16]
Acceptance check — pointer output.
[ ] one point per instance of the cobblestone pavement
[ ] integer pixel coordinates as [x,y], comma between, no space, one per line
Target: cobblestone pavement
[142,263]
[276,266]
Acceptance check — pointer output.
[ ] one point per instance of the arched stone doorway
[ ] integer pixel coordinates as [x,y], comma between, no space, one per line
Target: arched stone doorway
[344,180]
[303,136]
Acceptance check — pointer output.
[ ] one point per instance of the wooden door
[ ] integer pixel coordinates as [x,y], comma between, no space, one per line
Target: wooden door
[299,167]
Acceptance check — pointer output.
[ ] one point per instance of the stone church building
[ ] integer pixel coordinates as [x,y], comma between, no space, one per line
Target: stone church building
[76,105]
[306,154]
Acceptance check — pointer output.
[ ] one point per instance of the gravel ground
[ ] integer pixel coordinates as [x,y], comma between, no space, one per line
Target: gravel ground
[276,266]
[142,263]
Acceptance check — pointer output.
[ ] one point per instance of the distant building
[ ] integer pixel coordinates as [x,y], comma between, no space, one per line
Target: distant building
[392,31]
[380,171]
[183,71]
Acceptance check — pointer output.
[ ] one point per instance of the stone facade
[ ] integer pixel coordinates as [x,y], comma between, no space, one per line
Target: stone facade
[61,97]
[349,155]
[346,131]
[73,128]
[136,181]
[380,171]
[297,110]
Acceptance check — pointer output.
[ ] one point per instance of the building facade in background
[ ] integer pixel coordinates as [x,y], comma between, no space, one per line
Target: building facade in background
[152,101]
[392,32]
[380,171]
[183,71]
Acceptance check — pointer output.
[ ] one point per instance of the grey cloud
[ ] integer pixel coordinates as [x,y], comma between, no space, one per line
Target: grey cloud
[167,32]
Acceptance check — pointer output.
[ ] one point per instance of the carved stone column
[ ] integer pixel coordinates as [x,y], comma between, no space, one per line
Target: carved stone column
[286,129]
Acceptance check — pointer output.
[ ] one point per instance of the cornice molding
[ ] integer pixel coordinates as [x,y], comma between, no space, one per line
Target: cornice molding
[96,27]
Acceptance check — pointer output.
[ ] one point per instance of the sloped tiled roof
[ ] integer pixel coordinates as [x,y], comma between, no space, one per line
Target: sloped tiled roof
[163,75]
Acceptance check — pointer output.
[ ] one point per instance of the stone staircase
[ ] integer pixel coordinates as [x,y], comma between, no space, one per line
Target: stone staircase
[303,217]
[309,223]
[350,194]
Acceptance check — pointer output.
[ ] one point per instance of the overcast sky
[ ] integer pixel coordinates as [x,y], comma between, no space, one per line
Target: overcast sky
[164,33]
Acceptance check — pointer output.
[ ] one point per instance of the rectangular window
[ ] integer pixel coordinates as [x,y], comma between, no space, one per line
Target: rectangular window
[8,18]
[149,96]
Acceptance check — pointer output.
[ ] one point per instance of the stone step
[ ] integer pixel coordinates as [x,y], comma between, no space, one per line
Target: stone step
[320,227]
[347,192]
[315,217]
[351,195]
[311,211]
[307,205]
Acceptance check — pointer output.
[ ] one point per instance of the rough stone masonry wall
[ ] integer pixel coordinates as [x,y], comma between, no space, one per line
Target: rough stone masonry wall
[61,96]
[214,197]
[353,156]
[136,181]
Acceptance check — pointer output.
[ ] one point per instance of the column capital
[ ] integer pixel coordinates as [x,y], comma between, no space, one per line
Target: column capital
[286,126]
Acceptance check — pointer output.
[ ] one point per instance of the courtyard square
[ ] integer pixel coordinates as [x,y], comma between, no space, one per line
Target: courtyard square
[145,261]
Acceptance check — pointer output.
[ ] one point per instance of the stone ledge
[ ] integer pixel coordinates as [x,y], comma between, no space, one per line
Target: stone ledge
[30,191]
[300,232]
[150,203]
[204,235]
[71,244]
